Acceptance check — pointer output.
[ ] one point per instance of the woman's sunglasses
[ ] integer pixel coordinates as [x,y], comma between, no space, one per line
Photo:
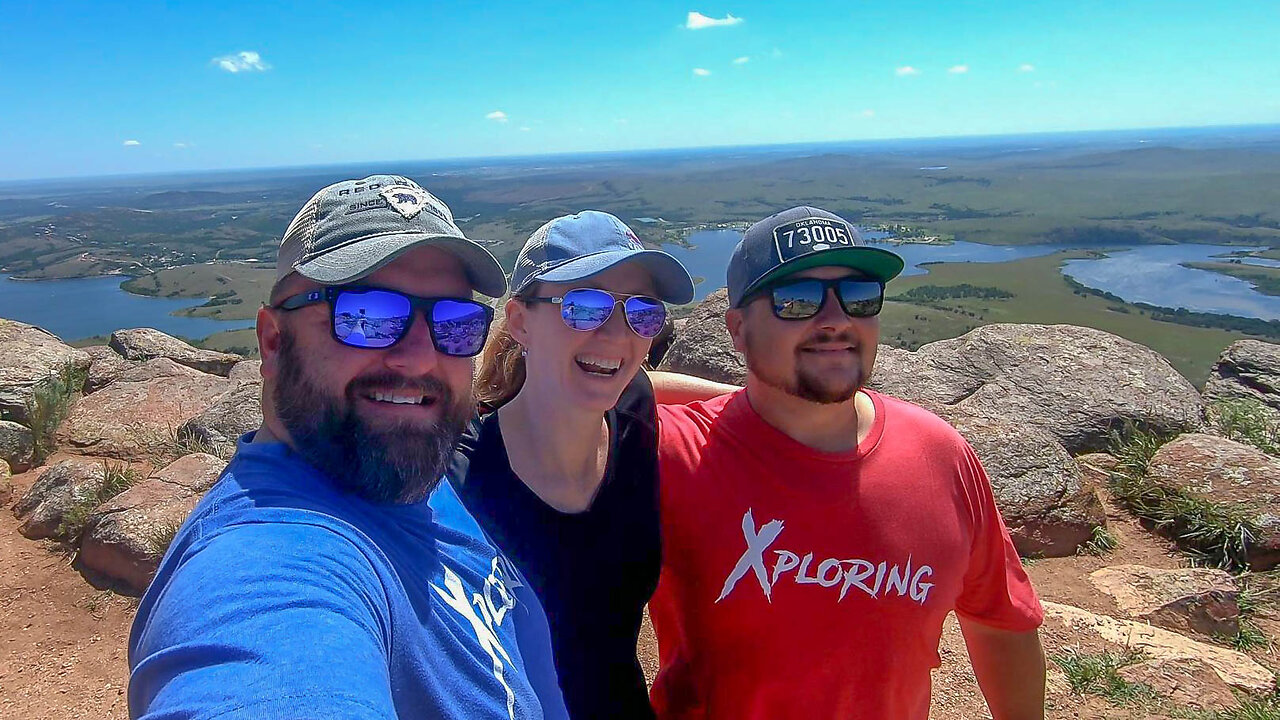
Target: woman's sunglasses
[587,309]
[376,318]
[802,299]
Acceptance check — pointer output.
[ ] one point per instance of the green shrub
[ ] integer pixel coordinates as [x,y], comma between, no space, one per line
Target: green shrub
[1099,674]
[48,406]
[1248,421]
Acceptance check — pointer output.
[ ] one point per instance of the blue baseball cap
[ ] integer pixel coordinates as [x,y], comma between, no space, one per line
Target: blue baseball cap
[798,239]
[575,247]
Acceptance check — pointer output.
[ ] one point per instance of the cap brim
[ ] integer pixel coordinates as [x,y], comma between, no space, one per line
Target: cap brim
[873,262]
[360,259]
[671,280]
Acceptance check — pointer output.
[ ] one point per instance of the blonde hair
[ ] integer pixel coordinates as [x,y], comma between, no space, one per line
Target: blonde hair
[500,373]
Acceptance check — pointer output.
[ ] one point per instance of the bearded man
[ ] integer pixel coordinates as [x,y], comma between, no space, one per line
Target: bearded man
[815,534]
[330,573]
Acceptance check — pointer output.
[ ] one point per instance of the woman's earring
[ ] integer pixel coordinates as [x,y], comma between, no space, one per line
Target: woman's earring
[524,352]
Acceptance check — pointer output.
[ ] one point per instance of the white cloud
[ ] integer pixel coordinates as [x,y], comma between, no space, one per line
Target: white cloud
[1026,67]
[868,113]
[958,69]
[698,21]
[701,72]
[131,143]
[243,61]
[742,60]
[524,128]
[497,116]
[180,145]
[907,70]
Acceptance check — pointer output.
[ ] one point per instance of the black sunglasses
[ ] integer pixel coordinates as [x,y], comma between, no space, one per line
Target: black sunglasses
[803,298]
[377,318]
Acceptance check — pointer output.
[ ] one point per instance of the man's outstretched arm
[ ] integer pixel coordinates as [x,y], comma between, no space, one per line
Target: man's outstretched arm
[1010,669]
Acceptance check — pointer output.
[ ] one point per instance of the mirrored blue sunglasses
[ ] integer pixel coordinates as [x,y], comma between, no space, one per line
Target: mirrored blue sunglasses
[377,318]
[588,309]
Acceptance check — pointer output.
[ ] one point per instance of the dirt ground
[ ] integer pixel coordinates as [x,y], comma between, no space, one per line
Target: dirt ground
[64,640]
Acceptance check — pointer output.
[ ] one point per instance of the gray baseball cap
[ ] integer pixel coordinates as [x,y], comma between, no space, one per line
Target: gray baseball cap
[350,229]
[576,247]
[799,239]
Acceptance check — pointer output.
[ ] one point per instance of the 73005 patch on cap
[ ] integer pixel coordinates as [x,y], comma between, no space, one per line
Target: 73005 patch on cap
[799,239]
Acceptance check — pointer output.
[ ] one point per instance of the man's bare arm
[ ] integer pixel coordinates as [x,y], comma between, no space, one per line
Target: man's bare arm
[670,388]
[1010,670]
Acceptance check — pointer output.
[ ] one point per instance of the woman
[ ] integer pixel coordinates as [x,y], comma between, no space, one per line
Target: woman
[563,472]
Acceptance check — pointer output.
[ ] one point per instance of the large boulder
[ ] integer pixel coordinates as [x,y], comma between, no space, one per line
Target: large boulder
[126,536]
[1248,369]
[1046,503]
[234,413]
[246,371]
[36,370]
[137,416]
[1160,648]
[1077,383]
[60,500]
[1231,474]
[6,485]
[17,445]
[107,366]
[703,346]
[1184,600]
[149,343]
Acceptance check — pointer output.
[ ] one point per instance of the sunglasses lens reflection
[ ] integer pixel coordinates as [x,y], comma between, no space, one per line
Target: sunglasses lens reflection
[459,327]
[586,309]
[370,318]
[645,315]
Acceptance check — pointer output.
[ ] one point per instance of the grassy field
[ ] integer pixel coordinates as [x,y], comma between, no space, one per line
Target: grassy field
[1266,280]
[1041,295]
[235,290]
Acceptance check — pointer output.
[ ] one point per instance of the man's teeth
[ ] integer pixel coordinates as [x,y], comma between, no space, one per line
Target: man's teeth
[398,398]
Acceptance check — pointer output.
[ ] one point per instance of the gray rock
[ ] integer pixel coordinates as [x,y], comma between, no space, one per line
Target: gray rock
[33,360]
[1184,600]
[6,485]
[1079,384]
[1227,473]
[148,343]
[17,445]
[60,500]
[1098,467]
[247,371]
[703,346]
[1048,506]
[126,536]
[106,368]
[234,413]
[137,416]
[1248,369]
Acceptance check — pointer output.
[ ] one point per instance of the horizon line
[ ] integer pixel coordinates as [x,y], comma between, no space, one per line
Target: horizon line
[630,151]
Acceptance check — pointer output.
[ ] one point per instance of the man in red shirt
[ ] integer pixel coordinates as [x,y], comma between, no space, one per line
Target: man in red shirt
[816,534]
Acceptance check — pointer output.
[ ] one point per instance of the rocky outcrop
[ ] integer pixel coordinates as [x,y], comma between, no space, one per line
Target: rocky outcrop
[1249,369]
[148,344]
[1077,383]
[137,416]
[60,499]
[246,371]
[17,446]
[234,413]
[107,366]
[1161,648]
[1185,600]
[1046,503]
[6,485]
[126,536]
[1098,467]
[1185,683]
[32,359]
[1231,474]
[703,346]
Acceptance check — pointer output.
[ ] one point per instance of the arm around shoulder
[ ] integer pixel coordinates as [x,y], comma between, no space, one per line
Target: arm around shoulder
[264,620]
[672,388]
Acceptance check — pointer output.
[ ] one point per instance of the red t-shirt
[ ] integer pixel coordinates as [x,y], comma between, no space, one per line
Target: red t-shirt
[797,583]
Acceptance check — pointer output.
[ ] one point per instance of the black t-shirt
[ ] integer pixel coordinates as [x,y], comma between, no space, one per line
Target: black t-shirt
[594,570]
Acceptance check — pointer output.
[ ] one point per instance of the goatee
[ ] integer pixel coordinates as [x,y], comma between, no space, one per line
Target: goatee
[396,463]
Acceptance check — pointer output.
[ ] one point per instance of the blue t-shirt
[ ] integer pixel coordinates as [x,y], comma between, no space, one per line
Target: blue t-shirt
[284,597]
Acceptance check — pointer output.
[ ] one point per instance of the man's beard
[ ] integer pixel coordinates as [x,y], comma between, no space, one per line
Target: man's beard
[806,384]
[398,463]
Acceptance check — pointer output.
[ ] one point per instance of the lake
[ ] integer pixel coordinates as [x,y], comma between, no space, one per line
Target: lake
[84,307]
[1148,273]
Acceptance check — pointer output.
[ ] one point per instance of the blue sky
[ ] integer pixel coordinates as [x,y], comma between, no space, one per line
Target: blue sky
[104,88]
